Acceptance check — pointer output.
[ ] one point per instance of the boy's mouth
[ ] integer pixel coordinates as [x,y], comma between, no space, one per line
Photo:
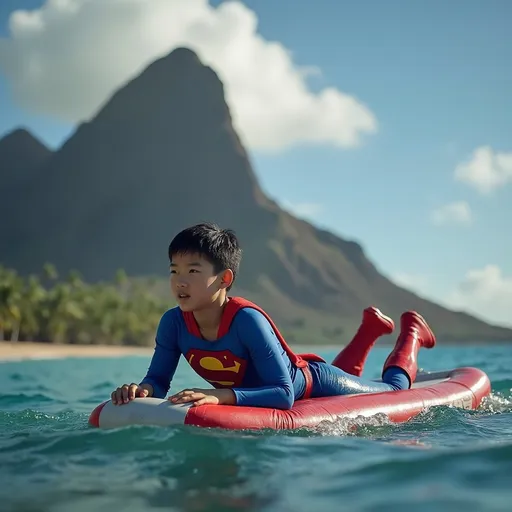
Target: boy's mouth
[183,296]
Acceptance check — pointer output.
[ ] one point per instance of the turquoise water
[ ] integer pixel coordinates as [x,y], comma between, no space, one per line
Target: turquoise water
[51,461]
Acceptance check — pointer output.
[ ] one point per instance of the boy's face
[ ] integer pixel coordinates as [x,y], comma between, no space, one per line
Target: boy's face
[194,283]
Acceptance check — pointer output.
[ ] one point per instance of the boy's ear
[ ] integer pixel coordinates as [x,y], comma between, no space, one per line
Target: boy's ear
[227,278]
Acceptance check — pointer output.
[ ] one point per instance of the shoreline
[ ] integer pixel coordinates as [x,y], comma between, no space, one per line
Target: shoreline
[29,351]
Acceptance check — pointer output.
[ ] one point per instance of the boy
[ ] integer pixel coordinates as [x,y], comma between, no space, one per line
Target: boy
[236,347]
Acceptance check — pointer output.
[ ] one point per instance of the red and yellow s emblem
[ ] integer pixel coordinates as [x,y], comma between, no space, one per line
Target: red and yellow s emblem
[220,368]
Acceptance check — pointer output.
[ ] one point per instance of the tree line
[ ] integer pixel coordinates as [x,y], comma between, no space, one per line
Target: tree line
[48,309]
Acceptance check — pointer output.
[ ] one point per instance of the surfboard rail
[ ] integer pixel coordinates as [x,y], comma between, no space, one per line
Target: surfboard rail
[460,387]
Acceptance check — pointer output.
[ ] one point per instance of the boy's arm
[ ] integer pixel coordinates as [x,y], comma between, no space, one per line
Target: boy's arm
[266,354]
[165,358]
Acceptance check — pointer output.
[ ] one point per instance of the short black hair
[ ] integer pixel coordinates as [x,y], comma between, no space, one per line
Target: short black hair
[218,246]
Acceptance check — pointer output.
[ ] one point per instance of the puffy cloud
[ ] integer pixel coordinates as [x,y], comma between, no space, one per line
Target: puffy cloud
[413,282]
[418,284]
[486,170]
[457,212]
[67,57]
[303,210]
[486,293]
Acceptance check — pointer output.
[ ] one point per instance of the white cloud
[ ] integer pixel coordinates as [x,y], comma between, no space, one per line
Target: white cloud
[409,280]
[412,282]
[486,170]
[67,57]
[457,212]
[303,210]
[486,293]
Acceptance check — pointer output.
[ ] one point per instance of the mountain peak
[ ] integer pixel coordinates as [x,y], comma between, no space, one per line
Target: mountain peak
[21,139]
[183,55]
[21,153]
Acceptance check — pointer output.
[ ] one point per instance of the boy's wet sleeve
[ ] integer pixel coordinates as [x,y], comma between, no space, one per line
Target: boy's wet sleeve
[276,389]
[165,357]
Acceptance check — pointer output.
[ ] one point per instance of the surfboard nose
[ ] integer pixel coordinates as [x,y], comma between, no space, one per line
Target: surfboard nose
[94,418]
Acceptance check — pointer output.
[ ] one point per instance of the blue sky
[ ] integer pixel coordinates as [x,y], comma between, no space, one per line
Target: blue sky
[436,77]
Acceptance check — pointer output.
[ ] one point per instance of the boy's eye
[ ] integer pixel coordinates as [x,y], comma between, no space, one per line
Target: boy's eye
[194,270]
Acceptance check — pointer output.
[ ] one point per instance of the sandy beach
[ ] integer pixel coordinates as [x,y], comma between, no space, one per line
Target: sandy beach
[26,350]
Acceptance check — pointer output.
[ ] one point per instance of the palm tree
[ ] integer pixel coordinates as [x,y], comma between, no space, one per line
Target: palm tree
[33,297]
[50,272]
[11,286]
[62,310]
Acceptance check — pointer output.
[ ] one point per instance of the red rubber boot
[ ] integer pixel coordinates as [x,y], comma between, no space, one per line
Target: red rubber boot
[414,334]
[352,358]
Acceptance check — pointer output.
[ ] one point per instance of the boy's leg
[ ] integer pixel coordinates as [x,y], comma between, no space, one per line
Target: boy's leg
[352,358]
[331,381]
[399,370]
[414,334]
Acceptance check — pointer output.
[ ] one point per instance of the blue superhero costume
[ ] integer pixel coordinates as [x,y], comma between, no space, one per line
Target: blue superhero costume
[251,357]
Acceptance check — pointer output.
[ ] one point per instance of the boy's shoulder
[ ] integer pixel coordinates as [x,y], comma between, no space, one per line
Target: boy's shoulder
[248,313]
[172,311]
[171,316]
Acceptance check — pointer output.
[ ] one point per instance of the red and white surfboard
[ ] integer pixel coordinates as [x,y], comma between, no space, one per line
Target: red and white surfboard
[461,387]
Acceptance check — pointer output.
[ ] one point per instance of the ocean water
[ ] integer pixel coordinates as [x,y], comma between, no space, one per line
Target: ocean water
[52,461]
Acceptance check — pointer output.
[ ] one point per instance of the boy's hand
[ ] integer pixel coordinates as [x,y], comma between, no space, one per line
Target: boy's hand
[204,396]
[126,392]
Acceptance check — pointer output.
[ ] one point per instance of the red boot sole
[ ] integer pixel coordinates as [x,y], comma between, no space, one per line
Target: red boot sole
[384,320]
